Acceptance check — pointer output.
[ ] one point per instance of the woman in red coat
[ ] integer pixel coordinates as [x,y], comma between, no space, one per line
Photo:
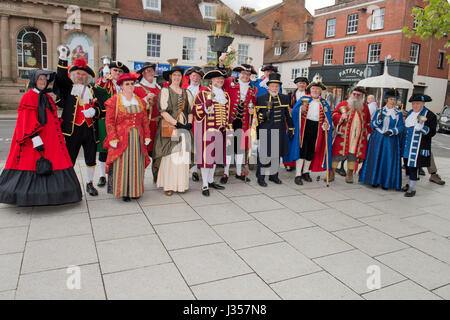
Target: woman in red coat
[38,133]
[128,135]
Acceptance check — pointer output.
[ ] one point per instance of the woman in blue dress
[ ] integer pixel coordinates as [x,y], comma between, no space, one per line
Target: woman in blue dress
[383,163]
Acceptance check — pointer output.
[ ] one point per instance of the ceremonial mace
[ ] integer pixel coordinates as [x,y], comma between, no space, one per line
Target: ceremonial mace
[106,61]
[342,110]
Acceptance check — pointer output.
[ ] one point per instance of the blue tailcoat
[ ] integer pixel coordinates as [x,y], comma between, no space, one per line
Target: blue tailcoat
[261,90]
[383,165]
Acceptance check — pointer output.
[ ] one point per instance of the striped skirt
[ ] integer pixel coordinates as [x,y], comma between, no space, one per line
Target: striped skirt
[126,175]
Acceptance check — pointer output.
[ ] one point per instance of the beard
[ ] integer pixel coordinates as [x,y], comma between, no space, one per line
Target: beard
[355,104]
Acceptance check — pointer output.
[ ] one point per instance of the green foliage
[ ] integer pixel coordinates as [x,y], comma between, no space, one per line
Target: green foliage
[432,21]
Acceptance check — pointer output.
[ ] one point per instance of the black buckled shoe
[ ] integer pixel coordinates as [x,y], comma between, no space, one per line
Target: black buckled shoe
[275,180]
[341,172]
[101,182]
[410,193]
[205,191]
[262,183]
[91,189]
[405,188]
[298,180]
[126,199]
[289,169]
[224,179]
[195,176]
[306,177]
[243,178]
[216,186]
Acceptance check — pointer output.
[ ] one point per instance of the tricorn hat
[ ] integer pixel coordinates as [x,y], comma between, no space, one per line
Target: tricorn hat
[195,69]
[420,97]
[166,74]
[301,79]
[119,65]
[218,72]
[147,65]
[81,64]
[245,67]
[269,67]
[274,78]
[317,82]
[392,93]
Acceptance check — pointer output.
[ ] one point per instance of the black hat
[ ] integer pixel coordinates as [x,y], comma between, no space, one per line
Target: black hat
[392,93]
[274,78]
[166,74]
[317,82]
[34,75]
[420,97]
[81,64]
[197,70]
[301,79]
[269,67]
[147,65]
[360,89]
[119,65]
[220,72]
[245,67]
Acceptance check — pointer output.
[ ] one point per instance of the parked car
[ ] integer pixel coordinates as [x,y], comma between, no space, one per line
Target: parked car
[444,119]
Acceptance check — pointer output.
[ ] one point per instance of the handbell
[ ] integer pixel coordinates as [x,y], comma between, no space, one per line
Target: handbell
[172,62]
[421,119]
[210,95]
[249,60]
[231,51]
[304,101]
[343,109]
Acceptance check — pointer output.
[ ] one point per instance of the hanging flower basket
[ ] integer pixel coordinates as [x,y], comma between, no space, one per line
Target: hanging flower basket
[220,43]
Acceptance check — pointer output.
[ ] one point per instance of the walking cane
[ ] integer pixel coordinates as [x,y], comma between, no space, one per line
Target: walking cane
[326,151]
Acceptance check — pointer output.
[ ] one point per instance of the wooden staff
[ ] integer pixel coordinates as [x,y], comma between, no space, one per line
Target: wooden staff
[326,151]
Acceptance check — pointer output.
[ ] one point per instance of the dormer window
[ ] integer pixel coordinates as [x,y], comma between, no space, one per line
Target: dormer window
[208,10]
[152,5]
[303,47]
[277,51]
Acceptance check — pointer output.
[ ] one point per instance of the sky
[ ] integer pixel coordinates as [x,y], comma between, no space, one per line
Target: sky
[261,4]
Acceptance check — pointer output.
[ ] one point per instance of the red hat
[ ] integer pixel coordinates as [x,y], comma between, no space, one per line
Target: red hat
[127,77]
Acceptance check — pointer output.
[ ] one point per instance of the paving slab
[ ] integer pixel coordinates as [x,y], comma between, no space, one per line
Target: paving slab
[281,220]
[432,223]
[48,227]
[222,213]
[113,228]
[256,203]
[332,220]
[301,203]
[13,239]
[393,226]
[113,207]
[406,290]
[431,244]
[170,213]
[9,270]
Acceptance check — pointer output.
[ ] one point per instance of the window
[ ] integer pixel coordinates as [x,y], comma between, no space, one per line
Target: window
[328,56]
[331,27]
[154,5]
[414,53]
[31,50]
[303,47]
[188,48]
[277,51]
[211,56]
[299,72]
[441,60]
[352,23]
[153,45]
[374,53]
[210,11]
[242,53]
[349,55]
[377,19]
[416,23]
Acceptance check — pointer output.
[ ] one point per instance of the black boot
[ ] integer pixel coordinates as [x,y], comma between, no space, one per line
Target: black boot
[298,180]
[405,188]
[410,193]
[195,176]
[91,189]
[275,180]
[126,199]
[101,182]
[224,179]
[262,183]
[205,191]
[243,178]
[306,177]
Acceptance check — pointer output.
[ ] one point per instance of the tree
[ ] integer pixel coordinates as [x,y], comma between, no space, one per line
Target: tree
[431,21]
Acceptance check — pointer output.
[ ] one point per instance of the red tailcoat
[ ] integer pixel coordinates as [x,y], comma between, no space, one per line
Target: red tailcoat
[211,125]
[141,91]
[108,86]
[319,153]
[118,127]
[22,155]
[341,144]
[232,87]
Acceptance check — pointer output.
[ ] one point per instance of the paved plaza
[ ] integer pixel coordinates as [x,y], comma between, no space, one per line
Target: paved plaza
[246,242]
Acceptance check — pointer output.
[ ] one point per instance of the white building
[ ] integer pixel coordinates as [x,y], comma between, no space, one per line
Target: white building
[158,30]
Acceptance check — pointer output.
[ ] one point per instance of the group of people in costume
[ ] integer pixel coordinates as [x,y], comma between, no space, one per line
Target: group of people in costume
[130,121]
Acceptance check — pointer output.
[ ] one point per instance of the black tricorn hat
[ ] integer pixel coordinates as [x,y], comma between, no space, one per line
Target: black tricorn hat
[195,69]
[119,65]
[392,93]
[81,64]
[420,97]
[166,74]
[317,82]
[215,73]
[269,67]
[301,79]
[245,67]
[274,78]
[147,65]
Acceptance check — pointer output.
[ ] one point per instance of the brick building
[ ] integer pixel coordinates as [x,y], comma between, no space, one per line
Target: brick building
[352,38]
[30,32]
[289,28]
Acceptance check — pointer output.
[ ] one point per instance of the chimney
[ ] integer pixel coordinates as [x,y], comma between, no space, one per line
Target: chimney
[276,34]
[243,11]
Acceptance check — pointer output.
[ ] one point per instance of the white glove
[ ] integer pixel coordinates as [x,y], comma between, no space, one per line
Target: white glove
[113,144]
[37,141]
[147,141]
[89,113]
[418,127]
[63,52]
[106,70]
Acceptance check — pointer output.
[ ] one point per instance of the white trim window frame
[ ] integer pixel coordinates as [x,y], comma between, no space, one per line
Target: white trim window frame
[24,50]
[352,23]
[242,53]
[153,45]
[414,53]
[304,72]
[374,53]
[188,53]
[349,55]
[277,51]
[328,56]
[331,28]
[152,5]
[303,47]
[377,22]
